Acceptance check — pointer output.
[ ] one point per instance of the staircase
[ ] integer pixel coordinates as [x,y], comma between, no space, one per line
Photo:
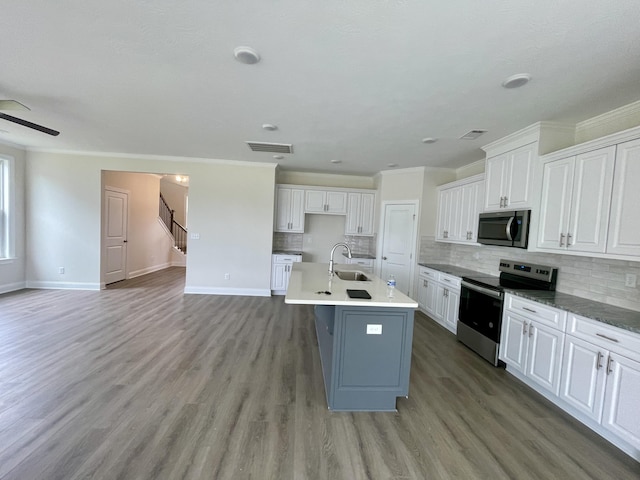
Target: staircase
[178,231]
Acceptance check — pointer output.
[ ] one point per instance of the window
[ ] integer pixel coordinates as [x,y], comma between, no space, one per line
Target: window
[6,233]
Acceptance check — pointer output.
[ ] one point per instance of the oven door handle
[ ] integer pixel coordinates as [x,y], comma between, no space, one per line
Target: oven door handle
[477,288]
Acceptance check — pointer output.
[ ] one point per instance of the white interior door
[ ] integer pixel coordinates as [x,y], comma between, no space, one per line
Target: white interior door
[116,204]
[398,244]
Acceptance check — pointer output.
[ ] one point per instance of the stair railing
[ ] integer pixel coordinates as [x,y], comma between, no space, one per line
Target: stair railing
[178,231]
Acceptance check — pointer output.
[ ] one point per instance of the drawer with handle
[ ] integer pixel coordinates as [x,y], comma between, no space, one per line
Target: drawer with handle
[536,311]
[428,273]
[449,280]
[607,336]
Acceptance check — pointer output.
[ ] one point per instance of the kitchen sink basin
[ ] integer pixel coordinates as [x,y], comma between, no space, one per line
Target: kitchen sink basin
[352,276]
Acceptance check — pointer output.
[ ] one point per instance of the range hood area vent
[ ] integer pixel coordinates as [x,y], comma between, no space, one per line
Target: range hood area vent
[473,134]
[270,147]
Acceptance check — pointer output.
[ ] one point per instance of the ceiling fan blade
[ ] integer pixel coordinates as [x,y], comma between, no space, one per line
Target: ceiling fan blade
[12,105]
[25,123]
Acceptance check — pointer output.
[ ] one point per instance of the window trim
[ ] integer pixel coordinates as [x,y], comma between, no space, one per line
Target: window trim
[7,205]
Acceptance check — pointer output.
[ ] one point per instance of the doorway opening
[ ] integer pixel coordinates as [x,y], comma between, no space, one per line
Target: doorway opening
[144,224]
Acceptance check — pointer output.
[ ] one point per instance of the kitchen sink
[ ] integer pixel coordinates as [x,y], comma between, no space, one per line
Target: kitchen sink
[352,276]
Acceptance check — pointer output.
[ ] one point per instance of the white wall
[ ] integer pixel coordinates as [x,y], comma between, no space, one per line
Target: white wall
[13,271]
[324,179]
[148,243]
[231,208]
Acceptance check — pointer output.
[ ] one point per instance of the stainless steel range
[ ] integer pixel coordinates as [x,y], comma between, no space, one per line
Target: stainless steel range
[482,297]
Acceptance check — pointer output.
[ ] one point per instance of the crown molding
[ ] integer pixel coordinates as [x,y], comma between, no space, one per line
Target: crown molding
[632,109]
[562,134]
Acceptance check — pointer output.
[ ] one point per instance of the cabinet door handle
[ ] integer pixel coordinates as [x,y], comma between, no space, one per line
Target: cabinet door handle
[506,202]
[599,361]
[609,365]
[501,198]
[530,330]
[503,202]
[568,240]
[561,239]
[608,338]
[524,328]
[529,309]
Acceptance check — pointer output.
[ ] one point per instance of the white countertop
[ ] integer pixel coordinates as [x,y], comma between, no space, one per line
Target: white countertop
[307,279]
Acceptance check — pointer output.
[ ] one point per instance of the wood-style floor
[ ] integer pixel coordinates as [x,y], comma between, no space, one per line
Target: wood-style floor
[142,382]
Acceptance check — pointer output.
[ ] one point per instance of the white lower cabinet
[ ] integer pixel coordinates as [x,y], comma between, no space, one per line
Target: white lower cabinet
[532,341]
[588,368]
[439,297]
[281,271]
[364,264]
[601,382]
[532,349]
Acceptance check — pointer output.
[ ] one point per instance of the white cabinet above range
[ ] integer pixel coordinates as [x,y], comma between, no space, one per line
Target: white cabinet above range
[590,198]
[509,179]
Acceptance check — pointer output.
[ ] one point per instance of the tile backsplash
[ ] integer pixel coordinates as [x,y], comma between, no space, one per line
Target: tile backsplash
[295,242]
[287,241]
[599,279]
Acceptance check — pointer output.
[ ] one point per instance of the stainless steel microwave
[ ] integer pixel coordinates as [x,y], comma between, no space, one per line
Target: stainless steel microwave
[506,229]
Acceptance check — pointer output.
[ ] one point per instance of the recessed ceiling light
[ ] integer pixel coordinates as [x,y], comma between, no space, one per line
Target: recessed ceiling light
[246,55]
[429,140]
[278,157]
[336,161]
[516,81]
[269,126]
[392,165]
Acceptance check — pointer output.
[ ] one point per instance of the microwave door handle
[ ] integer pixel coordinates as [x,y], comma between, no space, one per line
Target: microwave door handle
[508,229]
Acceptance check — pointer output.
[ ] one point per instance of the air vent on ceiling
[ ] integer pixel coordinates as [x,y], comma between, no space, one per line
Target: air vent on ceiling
[473,134]
[271,147]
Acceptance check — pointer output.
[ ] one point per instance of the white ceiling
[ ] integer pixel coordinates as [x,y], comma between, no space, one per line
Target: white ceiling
[360,81]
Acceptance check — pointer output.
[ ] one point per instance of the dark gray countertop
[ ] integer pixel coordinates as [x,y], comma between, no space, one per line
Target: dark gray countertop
[360,255]
[602,312]
[451,269]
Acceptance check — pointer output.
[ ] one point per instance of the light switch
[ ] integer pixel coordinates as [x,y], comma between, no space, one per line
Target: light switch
[373,329]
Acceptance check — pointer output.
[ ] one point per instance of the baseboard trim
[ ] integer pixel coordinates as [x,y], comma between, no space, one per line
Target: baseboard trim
[12,287]
[246,292]
[63,285]
[145,271]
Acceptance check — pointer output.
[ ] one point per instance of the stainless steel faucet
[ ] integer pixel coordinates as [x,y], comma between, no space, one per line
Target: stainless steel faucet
[333,251]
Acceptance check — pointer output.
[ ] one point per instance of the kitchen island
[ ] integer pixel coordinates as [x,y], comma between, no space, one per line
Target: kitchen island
[365,344]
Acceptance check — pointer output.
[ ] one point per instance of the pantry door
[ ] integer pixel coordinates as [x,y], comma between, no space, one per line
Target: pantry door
[398,244]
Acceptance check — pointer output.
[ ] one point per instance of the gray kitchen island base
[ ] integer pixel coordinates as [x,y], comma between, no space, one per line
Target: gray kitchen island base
[366,355]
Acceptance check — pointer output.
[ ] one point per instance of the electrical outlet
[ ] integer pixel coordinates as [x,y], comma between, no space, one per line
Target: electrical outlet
[61,270]
[227,276]
[630,280]
[195,236]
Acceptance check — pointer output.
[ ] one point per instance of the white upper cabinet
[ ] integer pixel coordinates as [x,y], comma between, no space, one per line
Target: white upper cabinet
[459,205]
[590,198]
[325,201]
[360,210]
[576,196]
[624,223]
[289,210]
[509,179]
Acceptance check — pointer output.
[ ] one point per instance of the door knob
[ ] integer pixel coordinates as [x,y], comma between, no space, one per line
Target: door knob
[384,258]
[124,241]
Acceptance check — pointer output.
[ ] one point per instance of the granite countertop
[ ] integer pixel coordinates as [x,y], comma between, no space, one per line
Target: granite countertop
[286,252]
[360,255]
[309,282]
[601,312]
[451,269]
